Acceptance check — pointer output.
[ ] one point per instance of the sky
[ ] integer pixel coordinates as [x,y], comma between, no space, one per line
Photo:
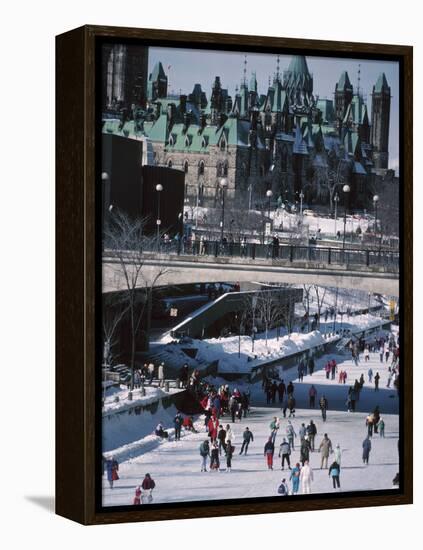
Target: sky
[186,67]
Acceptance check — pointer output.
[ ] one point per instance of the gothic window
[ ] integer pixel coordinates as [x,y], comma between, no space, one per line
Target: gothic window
[261,170]
[225,169]
[186,167]
[169,164]
[201,168]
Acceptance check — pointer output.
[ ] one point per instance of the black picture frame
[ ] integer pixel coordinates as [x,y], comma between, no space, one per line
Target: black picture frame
[78,251]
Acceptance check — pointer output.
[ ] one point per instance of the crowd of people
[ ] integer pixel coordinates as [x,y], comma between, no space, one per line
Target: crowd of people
[224,408]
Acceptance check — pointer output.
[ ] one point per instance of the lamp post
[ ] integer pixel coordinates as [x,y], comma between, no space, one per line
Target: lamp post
[301,195]
[375,201]
[336,200]
[223,183]
[253,330]
[159,189]
[346,189]
[269,195]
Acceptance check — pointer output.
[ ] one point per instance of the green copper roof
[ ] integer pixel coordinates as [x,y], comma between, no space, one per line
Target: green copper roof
[382,84]
[298,65]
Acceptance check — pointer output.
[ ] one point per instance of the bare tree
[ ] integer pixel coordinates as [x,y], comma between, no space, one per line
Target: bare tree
[306,303]
[269,310]
[126,242]
[115,308]
[320,297]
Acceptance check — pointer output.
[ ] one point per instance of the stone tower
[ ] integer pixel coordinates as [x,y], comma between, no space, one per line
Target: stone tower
[124,76]
[343,95]
[157,83]
[381,107]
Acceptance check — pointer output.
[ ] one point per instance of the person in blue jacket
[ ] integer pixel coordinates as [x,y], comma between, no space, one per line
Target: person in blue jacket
[334,472]
[295,478]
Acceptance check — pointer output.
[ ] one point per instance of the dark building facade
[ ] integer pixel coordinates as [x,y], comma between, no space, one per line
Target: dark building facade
[287,139]
[130,187]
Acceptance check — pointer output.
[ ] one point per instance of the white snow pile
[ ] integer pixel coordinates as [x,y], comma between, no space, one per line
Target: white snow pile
[152,394]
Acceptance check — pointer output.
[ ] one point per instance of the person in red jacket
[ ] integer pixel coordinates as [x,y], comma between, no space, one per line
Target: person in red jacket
[213,426]
[137,497]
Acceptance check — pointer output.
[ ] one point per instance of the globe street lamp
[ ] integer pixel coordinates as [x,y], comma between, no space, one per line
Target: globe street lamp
[223,183]
[269,195]
[346,189]
[159,189]
[336,200]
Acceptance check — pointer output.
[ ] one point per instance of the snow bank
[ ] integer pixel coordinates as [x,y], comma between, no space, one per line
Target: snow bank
[152,395]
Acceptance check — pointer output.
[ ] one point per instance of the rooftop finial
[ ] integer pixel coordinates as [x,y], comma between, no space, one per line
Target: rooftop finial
[245,70]
[358,79]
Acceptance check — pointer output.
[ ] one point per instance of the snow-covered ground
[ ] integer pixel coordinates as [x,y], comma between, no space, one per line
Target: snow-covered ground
[175,466]
[226,350]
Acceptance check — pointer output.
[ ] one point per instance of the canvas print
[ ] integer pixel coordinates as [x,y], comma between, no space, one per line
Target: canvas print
[250,275]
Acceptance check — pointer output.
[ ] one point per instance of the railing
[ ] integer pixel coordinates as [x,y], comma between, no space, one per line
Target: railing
[388,261]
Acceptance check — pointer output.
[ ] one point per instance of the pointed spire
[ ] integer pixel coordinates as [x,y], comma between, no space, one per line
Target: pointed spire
[382,84]
[344,82]
[278,68]
[358,78]
[298,65]
[244,80]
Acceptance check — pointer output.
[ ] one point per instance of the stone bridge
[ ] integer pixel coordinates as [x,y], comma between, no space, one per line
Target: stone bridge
[173,268]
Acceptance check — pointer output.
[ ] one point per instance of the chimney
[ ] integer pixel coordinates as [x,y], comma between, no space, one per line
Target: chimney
[183,103]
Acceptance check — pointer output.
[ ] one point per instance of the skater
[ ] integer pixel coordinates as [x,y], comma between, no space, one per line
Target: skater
[305,451]
[112,468]
[281,391]
[290,433]
[311,432]
[247,436]
[283,488]
[137,497]
[161,375]
[367,447]
[221,436]
[306,477]
[291,405]
[312,392]
[274,427]
[338,454]
[325,449]
[334,472]
[269,450]
[295,478]
[381,426]
[366,354]
[370,374]
[230,449]
[302,432]
[147,486]
[160,432]
[151,373]
[310,365]
[214,457]
[177,422]
[229,435]
[323,407]
[284,452]
[370,424]
[204,453]
[377,378]
[290,389]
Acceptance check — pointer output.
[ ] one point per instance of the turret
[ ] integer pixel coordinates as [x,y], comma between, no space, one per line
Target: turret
[381,107]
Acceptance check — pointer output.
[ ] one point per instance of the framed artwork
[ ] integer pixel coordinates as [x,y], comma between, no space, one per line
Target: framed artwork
[234,275]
